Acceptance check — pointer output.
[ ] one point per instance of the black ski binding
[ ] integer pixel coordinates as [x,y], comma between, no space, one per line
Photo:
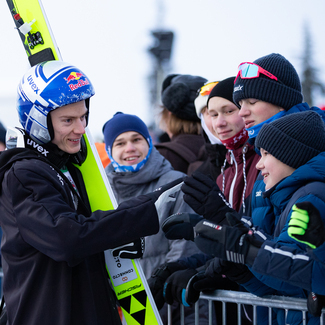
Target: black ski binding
[34,38]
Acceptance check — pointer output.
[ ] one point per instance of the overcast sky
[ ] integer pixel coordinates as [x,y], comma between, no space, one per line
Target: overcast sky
[108,40]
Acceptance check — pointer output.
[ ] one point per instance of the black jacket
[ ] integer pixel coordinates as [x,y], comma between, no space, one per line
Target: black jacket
[54,268]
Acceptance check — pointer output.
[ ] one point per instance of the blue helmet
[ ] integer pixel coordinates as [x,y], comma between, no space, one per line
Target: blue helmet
[45,87]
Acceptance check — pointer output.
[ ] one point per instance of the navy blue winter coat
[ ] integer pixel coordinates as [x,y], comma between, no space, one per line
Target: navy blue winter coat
[304,180]
[262,206]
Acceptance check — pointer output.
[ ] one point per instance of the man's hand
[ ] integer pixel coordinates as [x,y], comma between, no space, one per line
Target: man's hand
[234,244]
[180,225]
[132,250]
[203,195]
[306,225]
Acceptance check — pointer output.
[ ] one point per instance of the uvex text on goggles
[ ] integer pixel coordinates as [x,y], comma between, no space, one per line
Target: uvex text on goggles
[248,70]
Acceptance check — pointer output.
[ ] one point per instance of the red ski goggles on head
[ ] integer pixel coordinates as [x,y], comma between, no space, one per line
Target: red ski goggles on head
[206,89]
[248,70]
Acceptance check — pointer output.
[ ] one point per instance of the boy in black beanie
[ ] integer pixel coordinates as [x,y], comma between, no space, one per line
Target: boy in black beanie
[265,90]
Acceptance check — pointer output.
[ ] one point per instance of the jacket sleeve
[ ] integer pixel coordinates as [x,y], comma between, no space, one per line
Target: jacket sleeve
[298,267]
[286,264]
[47,220]
[180,248]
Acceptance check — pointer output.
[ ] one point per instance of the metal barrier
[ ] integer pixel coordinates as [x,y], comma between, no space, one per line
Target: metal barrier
[245,298]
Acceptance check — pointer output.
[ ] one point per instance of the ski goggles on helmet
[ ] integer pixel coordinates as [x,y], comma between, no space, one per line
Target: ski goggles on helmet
[206,89]
[248,70]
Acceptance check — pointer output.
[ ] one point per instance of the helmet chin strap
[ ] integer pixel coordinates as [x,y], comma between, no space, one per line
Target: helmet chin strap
[87,102]
[50,125]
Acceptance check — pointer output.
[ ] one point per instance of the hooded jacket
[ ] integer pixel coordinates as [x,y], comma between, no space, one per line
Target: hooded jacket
[271,261]
[52,245]
[260,205]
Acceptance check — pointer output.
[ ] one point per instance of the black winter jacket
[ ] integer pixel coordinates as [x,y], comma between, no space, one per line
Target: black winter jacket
[54,268]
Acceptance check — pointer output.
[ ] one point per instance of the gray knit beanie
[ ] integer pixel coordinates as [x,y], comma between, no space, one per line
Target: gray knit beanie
[286,92]
[293,139]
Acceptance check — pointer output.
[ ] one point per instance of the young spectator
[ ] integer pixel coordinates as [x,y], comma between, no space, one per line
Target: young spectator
[179,120]
[292,172]
[52,246]
[212,154]
[236,181]
[266,90]
[138,168]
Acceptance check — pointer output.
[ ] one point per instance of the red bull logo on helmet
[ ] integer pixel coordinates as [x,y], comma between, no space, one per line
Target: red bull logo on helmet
[73,76]
[76,76]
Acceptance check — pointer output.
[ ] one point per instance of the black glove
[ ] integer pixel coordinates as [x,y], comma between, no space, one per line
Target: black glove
[216,274]
[213,277]
[306,225]
[315,303]
[157,280]
[180,225]
[235,272]
[132,250]
[205,280]
[235,244]
[167,189]
[175,287]
[203,195]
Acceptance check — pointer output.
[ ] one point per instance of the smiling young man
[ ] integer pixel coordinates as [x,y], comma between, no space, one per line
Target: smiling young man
[130,148]
[69,123]
[52,245]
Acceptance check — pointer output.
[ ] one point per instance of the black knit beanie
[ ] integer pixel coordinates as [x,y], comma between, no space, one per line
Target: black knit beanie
[286,92]
[223,89]
[178,95]
[293,139]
